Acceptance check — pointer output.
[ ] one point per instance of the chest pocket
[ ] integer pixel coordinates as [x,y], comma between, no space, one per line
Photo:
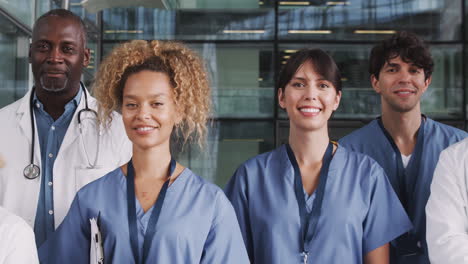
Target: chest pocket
[84,176]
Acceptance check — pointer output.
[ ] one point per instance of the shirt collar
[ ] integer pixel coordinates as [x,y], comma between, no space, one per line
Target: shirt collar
[72,104]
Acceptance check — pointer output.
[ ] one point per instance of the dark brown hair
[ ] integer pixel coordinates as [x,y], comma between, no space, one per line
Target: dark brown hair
[408,46]
[323,64]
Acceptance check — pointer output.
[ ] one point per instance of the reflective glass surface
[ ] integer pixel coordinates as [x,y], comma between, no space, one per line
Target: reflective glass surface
[369,19]
[14,47]
[229,144]
[188,24]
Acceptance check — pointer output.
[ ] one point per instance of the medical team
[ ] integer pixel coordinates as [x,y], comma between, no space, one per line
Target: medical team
[361,200]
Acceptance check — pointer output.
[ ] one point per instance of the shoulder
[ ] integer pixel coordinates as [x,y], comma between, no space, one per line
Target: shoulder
[200,186]
[107,182]
[10,110]
[209,192]
[456,151]
[265,160]
[359,162]
[361,134]
[12,225]
[439,130]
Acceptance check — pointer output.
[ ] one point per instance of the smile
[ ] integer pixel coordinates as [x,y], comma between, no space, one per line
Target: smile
[145,128]
[310,110]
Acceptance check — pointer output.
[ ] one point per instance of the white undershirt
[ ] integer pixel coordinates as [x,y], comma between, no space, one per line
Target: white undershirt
[405,159]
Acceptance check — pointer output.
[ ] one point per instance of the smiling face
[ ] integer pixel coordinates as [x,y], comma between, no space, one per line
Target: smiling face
[401,85]
[148,109]
[57,54]
[308,99]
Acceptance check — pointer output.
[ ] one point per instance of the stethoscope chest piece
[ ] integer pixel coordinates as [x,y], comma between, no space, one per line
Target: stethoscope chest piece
[31,171]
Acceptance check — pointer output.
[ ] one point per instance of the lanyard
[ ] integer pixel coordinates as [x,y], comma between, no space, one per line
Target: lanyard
[309,220]
[406,188]
[131,207]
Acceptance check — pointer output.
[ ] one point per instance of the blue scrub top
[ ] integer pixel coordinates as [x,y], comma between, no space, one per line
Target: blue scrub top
[197,225]
[360,211]
[372,141]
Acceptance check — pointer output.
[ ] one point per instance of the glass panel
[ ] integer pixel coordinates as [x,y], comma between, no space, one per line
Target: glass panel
[23,10]
[241,78]
[14,68]
[43,6]
[369,19]
[443,98]
[229,145]
[76,6]
[188,24]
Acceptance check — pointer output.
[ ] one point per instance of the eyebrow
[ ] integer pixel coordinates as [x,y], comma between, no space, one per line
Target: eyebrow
[133,96]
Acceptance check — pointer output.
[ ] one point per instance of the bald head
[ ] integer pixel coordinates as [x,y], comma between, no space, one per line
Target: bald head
[65,14]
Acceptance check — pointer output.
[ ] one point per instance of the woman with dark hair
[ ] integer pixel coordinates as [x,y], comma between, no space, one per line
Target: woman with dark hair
[313,201]
[152,209]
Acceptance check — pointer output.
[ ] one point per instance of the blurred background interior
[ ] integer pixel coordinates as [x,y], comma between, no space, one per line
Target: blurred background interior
[244,43]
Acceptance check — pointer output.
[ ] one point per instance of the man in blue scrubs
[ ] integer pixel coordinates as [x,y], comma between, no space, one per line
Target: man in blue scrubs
[402,140]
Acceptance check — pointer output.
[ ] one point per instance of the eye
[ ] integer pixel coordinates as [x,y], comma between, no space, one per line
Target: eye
[391,70]
[415,70]
[157,104]
[68,49]
[297,84]
[324,85]
[42,46]
[130,105]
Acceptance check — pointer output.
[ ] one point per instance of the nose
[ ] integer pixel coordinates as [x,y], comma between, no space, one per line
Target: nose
[405,77]
[55,56]
[143,112]
[311,93]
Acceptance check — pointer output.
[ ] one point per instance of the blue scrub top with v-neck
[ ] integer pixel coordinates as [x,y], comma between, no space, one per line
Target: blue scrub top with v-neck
[371,140]
[197,225]
[360,211]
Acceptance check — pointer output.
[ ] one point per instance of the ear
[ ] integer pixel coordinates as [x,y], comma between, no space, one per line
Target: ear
[29,53]
[375,83]
[427,82]
[337,101]
[87,57]
[281,99]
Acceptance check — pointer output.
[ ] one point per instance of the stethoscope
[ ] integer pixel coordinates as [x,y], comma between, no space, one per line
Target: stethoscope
[32,171]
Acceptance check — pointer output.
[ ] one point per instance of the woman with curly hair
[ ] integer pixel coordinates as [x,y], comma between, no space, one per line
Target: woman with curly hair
[151,210]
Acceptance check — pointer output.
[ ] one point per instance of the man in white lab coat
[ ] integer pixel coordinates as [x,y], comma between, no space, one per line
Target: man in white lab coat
[16,240]
[447,208]
[50,146]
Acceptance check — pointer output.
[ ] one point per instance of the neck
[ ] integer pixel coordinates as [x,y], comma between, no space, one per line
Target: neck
[151,163]
[54,102]
[403,128]
[308,147]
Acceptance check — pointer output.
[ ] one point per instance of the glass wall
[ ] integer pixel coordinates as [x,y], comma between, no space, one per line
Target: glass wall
[245,43]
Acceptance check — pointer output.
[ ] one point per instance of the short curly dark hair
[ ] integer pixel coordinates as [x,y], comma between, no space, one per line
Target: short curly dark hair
[408,46]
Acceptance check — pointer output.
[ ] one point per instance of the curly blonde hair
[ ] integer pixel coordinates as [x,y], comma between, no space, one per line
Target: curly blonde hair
[187,76]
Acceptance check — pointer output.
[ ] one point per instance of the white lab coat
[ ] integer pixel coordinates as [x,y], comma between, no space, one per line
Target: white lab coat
[17,245]
[20,195]
[447,208]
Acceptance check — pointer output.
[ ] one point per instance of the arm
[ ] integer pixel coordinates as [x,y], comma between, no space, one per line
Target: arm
[386,219]
[379,255]
[236,191]
[447,221]
[224,243]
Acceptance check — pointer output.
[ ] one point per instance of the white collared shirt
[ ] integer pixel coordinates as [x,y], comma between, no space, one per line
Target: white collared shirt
[17,244]
[446,210]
